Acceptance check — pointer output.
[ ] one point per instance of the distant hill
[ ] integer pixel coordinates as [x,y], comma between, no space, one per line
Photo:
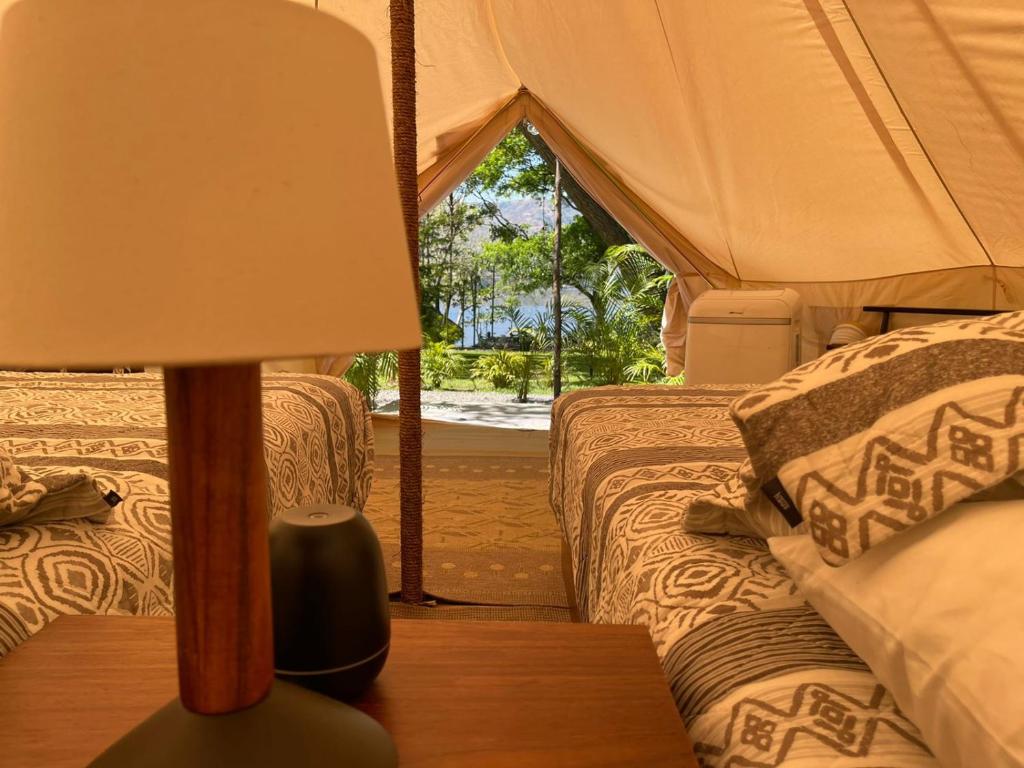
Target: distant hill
[527,212]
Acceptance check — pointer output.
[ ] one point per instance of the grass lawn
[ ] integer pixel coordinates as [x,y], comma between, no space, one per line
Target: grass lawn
[471,385]
[573,377]
[536,388]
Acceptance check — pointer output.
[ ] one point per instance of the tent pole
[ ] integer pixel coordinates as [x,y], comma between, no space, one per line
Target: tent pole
[410,426]
[556,297]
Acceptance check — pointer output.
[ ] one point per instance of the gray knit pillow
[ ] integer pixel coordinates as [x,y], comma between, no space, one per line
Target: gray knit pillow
[878,436]
[738,508]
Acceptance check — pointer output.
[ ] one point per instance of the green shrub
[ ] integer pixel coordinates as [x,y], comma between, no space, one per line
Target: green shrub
[525,367]
[612,340]
[370,371]
[508,370]
[495,368]
[439,361]
[648,368]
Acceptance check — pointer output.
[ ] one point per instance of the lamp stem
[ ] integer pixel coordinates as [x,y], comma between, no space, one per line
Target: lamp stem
[219,521]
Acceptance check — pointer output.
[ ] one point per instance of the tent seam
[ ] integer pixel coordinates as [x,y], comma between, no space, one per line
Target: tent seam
[843,61]
[885,277]
[920,143]
[704,174]
[501,46]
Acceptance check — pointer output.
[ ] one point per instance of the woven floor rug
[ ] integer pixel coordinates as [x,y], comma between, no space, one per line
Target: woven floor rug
[480,612]
[489,535]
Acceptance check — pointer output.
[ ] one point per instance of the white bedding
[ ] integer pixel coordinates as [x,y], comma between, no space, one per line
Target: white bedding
[938,615]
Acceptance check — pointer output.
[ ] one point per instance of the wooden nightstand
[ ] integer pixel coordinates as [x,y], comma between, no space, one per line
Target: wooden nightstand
[482,694]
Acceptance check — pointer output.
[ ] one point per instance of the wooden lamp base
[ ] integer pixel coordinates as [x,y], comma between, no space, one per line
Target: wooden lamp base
[230,710]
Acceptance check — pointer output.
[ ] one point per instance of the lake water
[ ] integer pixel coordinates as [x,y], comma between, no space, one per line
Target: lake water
[501,324]
[530,306]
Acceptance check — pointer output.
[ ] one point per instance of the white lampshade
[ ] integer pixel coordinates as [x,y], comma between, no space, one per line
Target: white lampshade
[194,181]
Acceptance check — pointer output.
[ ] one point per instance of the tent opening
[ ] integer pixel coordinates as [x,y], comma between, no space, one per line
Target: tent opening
[487,269]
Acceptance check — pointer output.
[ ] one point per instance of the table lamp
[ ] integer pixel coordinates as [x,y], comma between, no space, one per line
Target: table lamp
[204,184]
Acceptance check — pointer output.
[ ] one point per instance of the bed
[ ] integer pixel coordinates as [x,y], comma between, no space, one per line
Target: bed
[318,447]
[760,679]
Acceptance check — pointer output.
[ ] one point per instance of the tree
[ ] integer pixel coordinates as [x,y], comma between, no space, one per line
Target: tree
[447,268]
[605,228]
[556,288]
[522,165]
[522,265]
[615,339]
[616,334]
[511,169]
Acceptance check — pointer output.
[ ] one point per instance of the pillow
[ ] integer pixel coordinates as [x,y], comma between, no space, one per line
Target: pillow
[24,499]
[737,507]
[878,436]
[938,616]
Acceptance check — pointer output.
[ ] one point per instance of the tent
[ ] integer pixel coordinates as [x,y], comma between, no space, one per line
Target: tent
[861,152]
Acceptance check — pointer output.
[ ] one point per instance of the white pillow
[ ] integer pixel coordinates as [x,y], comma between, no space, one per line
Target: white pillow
[938,615]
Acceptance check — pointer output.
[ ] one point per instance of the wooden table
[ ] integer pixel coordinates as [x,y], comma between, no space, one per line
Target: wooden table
[452,694]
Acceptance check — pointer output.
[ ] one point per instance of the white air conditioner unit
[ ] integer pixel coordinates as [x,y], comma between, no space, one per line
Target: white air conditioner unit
[742,337]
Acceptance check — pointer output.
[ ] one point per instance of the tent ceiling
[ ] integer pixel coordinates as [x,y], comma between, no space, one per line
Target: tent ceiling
[861,151]
[957,69]
[868,151]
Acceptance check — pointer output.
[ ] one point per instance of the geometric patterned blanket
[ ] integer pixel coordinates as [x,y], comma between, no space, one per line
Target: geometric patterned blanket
[758,677]
[318,444]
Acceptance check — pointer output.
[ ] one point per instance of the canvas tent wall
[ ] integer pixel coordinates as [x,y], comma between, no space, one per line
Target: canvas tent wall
[860,152]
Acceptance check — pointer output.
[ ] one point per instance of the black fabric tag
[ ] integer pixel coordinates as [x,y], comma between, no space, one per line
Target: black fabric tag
[777,495]
[112,498]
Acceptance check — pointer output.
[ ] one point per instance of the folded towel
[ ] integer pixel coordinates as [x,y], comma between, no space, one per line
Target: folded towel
[64,496]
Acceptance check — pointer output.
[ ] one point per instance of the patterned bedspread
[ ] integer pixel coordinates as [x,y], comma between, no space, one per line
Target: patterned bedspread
[318,446]
[759,678]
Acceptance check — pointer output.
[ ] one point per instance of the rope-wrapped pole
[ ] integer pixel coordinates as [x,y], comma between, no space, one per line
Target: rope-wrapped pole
[410,426]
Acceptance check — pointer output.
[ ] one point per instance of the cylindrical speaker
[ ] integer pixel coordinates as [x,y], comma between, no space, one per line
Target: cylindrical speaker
[330,600]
